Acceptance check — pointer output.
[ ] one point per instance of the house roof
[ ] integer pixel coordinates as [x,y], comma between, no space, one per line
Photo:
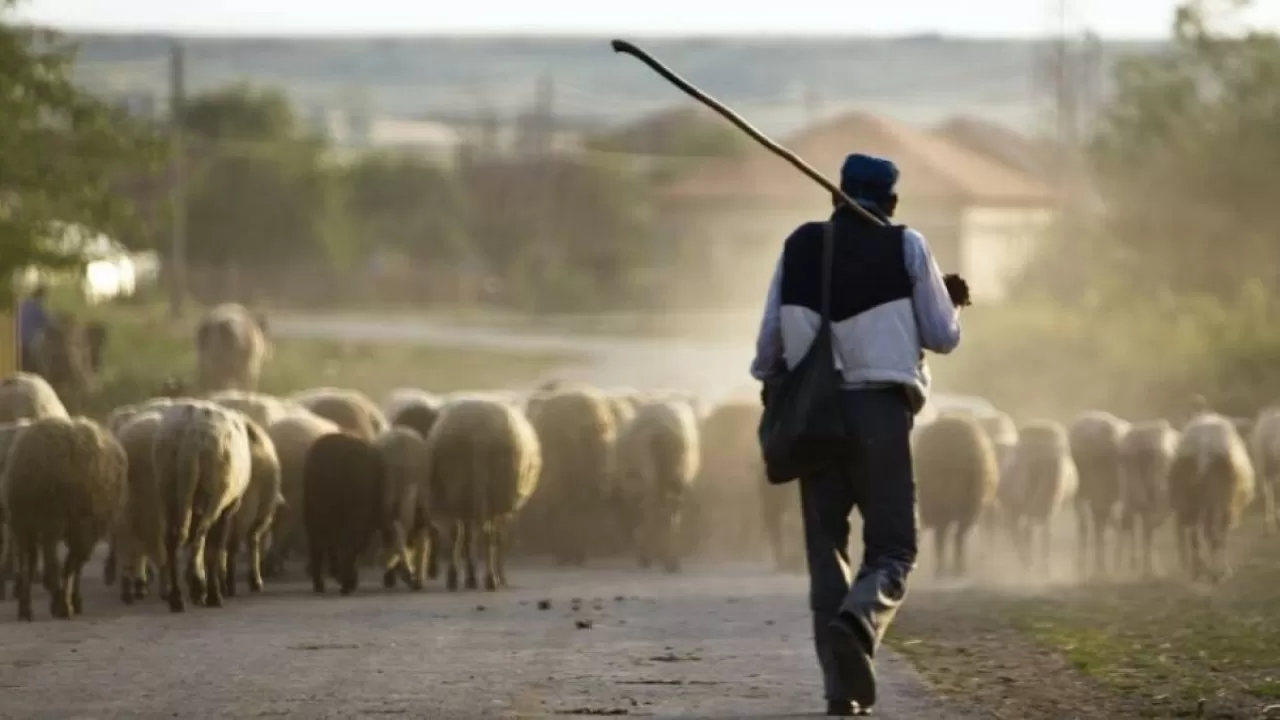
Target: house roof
[931,166]
[997,142]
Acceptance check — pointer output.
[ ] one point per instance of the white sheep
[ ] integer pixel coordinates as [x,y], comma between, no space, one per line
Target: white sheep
[203,465]
[404,460]
[1211,482]
[231,349]
[483,464]
[1040,481]
[139,531]
[261,408]
[569,512]
[257,509]
[293,436]
[27,395]
[1095,439]
[657,461]
[1146,454]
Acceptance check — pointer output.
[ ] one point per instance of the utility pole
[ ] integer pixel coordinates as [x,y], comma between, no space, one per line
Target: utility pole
[177,182]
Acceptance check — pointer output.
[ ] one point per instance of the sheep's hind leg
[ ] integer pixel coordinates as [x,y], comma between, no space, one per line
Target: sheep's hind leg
[215,559]
[59,602]
[72,571]
[500,530]
[489,546]
[470,536]
[26,558]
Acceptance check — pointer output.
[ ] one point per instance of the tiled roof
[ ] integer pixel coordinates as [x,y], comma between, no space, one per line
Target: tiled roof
[999,143]
[931,166]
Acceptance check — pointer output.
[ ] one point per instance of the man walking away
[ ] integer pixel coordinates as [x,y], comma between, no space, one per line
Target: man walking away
[33,318]
[889,303]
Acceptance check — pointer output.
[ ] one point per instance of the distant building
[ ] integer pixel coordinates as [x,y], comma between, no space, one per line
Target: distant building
[981,217]
[1004,145]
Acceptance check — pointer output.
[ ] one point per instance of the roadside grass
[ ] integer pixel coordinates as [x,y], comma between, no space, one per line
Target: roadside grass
[1153,649]
[145,348]
[727,325]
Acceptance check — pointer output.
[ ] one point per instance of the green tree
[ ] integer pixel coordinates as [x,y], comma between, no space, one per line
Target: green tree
[562,232]
[407,203]
[63,150]
[1185,162]
[674,140]
[261,193]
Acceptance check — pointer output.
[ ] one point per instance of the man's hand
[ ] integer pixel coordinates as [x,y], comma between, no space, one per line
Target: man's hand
[958,289]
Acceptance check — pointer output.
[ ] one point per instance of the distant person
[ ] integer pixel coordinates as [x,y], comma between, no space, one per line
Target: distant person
[33,319]
[889,303]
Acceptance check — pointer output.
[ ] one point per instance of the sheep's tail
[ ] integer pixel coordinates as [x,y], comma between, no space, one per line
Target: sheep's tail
[187,466]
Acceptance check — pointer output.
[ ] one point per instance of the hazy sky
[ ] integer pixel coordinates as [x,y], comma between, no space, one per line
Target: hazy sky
[1110,18]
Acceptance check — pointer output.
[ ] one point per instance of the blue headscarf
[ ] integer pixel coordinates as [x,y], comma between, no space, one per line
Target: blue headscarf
[869,179]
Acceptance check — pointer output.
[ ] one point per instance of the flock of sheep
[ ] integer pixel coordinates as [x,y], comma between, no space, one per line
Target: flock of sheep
[201,482]
[1123,480]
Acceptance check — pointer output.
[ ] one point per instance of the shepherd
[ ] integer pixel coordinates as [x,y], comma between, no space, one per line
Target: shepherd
[888,303]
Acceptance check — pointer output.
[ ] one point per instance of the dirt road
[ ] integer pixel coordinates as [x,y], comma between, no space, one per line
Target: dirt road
[727,642]
[750,631]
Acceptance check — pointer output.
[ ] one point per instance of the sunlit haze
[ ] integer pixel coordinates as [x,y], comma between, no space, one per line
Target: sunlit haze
[1004,18]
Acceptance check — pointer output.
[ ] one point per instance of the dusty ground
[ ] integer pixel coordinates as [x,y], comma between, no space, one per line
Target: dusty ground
[1018,645]
[1119,646]
[711,643]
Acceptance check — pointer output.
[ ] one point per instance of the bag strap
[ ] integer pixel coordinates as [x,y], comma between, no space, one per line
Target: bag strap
[828,254]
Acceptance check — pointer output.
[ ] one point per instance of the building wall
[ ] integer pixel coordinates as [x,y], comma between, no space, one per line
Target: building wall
[997,244]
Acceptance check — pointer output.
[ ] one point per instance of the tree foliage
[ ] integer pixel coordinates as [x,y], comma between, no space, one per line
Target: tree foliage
[62,151]
[260,192]
[1185,161]
[408,204]
[561,232]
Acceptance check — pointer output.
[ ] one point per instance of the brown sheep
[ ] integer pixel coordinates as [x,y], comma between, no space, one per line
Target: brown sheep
[350,410]
[343,479]
[64,485]
[731,485]
[956,478]
[9,432]
[1095,439]
[61,354]
[1264,446]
